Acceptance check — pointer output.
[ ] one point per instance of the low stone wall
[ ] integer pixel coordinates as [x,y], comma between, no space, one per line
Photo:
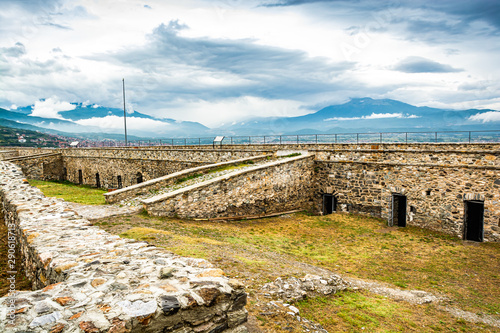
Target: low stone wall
[5,154]
[364,146]
[473,157]
[435,192]
[274,187]
[96,282]
[47,166]
[159,183]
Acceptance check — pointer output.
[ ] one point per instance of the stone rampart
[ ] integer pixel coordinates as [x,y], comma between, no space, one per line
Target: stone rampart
[91,281]
[46,166]
[121,167]
[435,192]
[273,187]
[170,179]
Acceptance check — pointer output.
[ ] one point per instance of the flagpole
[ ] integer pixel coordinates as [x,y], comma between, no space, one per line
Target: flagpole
[124,114]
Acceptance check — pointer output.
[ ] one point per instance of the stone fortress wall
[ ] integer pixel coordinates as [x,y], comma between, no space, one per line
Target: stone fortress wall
[91,281]
[437,179]
[116,167]
[277,186]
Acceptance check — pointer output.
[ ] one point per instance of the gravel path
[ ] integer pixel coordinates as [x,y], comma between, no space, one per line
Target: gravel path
[92,212]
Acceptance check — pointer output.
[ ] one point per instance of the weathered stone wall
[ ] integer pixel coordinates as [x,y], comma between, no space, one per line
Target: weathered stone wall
[274,187]
[129,170]
[475,157]
[170,179]
[122,167]
[5,154]
[48,166]
[435,193]
[96,282]
[365,146]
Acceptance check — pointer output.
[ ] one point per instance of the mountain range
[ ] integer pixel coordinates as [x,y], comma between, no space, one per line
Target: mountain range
[357,115]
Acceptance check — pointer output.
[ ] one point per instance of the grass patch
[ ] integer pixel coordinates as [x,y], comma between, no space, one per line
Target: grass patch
[231,167]
[363,247]
[193,176]
[361,311]
[291,155]
[82,194]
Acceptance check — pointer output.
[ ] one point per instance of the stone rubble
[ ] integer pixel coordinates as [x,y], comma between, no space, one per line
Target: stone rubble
[90,281]
[294,289]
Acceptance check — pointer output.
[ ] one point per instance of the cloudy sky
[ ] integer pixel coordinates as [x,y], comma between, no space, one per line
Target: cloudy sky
[220,61]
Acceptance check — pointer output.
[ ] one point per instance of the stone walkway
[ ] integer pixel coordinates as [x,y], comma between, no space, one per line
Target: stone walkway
[92,212]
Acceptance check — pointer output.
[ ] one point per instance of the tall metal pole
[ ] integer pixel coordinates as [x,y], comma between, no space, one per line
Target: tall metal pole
[124,114]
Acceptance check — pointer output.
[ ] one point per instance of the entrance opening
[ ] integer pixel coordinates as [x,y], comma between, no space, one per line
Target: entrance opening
[139,178]
[64,174]
[399,210]
[119,178]
[329,204]
[97,180]
[473,220]
[80,177]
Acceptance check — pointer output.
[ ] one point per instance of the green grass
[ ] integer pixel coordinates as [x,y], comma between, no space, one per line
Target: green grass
[193,176]
[358,246]
[70,192]
[222,168]
[291,155]
[364,312]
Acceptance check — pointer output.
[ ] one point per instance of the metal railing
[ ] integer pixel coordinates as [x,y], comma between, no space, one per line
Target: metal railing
[487,136]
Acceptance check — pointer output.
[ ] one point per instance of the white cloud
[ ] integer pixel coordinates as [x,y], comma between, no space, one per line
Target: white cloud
[214,113]
[486,117]
[115,122]
[375,116]
[50,108]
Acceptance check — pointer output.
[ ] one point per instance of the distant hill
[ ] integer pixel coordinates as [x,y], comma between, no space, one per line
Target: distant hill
[100,115]
[364,115]
[26,138]
[358,115]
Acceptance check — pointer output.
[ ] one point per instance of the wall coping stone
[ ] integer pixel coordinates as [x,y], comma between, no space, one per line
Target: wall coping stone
[190,188]
[22,158]
[101,282]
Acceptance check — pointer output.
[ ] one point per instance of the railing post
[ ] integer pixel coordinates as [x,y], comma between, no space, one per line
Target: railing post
[406,137]
[231,140]
[335,138]
[280,139]
[436,136]
[297,139]
[469,136]
[316,138]
[264,139]
[357,138]
[380,138]
[249,140]
[172,142]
